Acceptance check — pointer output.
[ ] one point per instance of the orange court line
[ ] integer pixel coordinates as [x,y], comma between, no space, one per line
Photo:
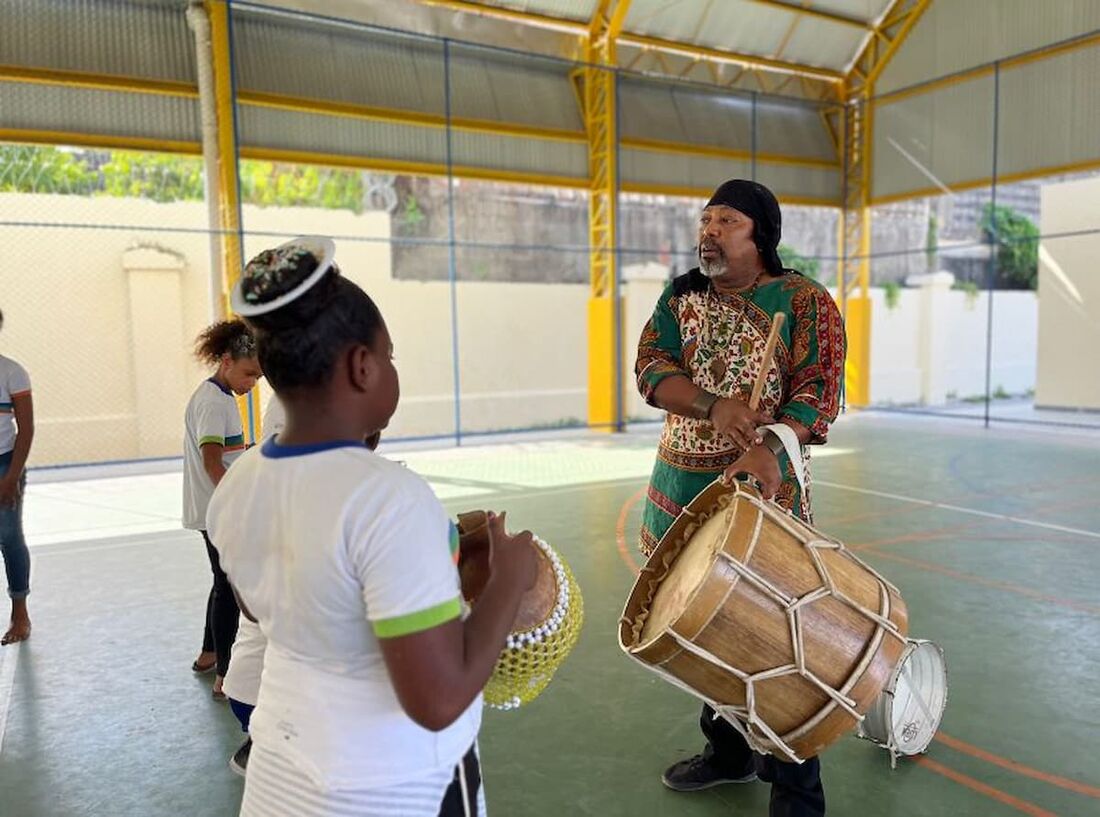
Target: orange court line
[980,580]
[1018,768]
[620,531]
[983,788]
[946,740]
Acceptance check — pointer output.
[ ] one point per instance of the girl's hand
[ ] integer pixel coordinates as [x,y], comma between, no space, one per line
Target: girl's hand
[9,490]
[512,556]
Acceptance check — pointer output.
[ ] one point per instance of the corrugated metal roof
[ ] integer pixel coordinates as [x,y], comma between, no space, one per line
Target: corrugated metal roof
[869,10]
[698,116]
[934,140]
[317,59]
[506,87]
[792,129]
[144,39]
[965,33]
[743,26]
[651,168]
[289,130]
[109,113]
[517,154]
[1045,119]
[569,9]
[678,113]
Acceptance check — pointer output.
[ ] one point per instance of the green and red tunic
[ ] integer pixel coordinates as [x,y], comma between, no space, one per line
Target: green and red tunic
[717,339]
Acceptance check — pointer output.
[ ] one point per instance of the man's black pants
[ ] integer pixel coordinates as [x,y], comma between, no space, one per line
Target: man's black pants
[796,788]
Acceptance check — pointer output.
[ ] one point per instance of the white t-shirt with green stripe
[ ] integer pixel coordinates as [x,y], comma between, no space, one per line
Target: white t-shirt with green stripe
[332,547]
[212,416]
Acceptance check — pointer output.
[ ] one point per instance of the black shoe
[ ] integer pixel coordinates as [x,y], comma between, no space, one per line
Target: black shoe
[698,773]
[239,761]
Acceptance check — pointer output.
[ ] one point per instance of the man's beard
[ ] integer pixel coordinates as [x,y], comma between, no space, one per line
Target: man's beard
[712,267]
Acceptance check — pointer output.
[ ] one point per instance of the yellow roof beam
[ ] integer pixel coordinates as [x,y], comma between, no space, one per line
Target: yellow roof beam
[582,29]
[717,152]
[349,110]
[731,57]
[883,44]
[97,82]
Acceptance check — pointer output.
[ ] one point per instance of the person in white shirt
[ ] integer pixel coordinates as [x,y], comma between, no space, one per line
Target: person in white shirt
[213,439]
[16,433]
[370,702]
[242,682]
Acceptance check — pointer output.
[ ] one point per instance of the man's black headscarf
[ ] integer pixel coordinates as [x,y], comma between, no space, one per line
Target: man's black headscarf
[757,202]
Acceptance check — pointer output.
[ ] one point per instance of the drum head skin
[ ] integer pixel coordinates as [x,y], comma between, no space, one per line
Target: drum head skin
[906,716]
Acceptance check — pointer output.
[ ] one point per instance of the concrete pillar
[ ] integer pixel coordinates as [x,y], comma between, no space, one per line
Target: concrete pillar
[933,352]
[642,286]
[157,348]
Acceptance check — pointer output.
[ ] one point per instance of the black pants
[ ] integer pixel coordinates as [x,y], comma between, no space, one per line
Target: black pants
[796,789]
[222,613]
[461,800]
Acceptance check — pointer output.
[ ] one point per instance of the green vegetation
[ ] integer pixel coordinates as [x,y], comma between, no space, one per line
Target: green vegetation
[791,258]
[166,177]
[1017,240]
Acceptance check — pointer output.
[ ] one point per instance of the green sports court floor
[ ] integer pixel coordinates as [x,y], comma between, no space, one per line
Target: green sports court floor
[993,537]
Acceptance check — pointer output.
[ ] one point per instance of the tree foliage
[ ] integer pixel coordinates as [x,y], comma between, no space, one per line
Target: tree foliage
[792,259]
[1017,240]
[167,177]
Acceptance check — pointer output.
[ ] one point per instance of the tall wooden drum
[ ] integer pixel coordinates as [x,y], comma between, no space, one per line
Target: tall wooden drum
[781,629]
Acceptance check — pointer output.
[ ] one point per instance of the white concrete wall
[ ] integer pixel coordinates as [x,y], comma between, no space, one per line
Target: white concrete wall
[904,370]
[72,309]
[1069,296]
[100,328]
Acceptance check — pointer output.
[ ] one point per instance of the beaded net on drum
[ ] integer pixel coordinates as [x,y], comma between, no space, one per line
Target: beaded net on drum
[531,657]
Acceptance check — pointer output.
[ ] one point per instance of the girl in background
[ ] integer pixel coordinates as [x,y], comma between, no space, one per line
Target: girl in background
[213,439]
[16,433]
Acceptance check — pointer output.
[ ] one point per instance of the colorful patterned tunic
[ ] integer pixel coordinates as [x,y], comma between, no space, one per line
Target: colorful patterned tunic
[717,339]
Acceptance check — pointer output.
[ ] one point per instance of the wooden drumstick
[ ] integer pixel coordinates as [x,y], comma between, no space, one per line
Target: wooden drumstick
[769,353]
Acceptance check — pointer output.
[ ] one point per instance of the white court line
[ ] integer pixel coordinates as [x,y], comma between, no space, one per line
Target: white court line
[1034,523]
[9,657]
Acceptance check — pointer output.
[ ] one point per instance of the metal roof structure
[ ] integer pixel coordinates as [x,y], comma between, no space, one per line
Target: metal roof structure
[706,88]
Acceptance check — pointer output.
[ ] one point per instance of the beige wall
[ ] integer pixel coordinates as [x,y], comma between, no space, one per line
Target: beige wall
[1069,297]
[105,330]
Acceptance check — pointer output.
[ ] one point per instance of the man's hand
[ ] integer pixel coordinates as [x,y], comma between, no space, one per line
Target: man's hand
[731,416]
[760,462]
[9,490]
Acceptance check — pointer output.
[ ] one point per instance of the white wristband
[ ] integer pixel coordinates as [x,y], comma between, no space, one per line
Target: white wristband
[793,448]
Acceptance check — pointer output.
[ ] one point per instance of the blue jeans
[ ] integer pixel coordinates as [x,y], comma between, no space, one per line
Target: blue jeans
[17,559]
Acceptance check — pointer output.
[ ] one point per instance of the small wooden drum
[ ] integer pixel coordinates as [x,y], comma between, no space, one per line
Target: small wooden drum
[907,714]
[547,624]
[782,630]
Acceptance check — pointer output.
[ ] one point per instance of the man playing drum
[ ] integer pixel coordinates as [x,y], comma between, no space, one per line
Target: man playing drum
[698,358]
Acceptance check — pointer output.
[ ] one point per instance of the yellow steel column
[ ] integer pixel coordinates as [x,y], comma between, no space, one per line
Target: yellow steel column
[855,272]
[858,140]
[229,212]
[605,399]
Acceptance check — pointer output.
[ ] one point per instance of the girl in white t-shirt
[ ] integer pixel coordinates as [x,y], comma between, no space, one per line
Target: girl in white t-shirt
[213,439]
[370,702]
[16,432]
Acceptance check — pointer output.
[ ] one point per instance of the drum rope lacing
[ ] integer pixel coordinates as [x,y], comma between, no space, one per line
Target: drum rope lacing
[746,719]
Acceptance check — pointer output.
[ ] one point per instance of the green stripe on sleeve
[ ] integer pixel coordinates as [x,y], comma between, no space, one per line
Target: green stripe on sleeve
[419,621]
[208,440]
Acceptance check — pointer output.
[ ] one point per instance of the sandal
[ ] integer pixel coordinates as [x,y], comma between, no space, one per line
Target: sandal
[202,669]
